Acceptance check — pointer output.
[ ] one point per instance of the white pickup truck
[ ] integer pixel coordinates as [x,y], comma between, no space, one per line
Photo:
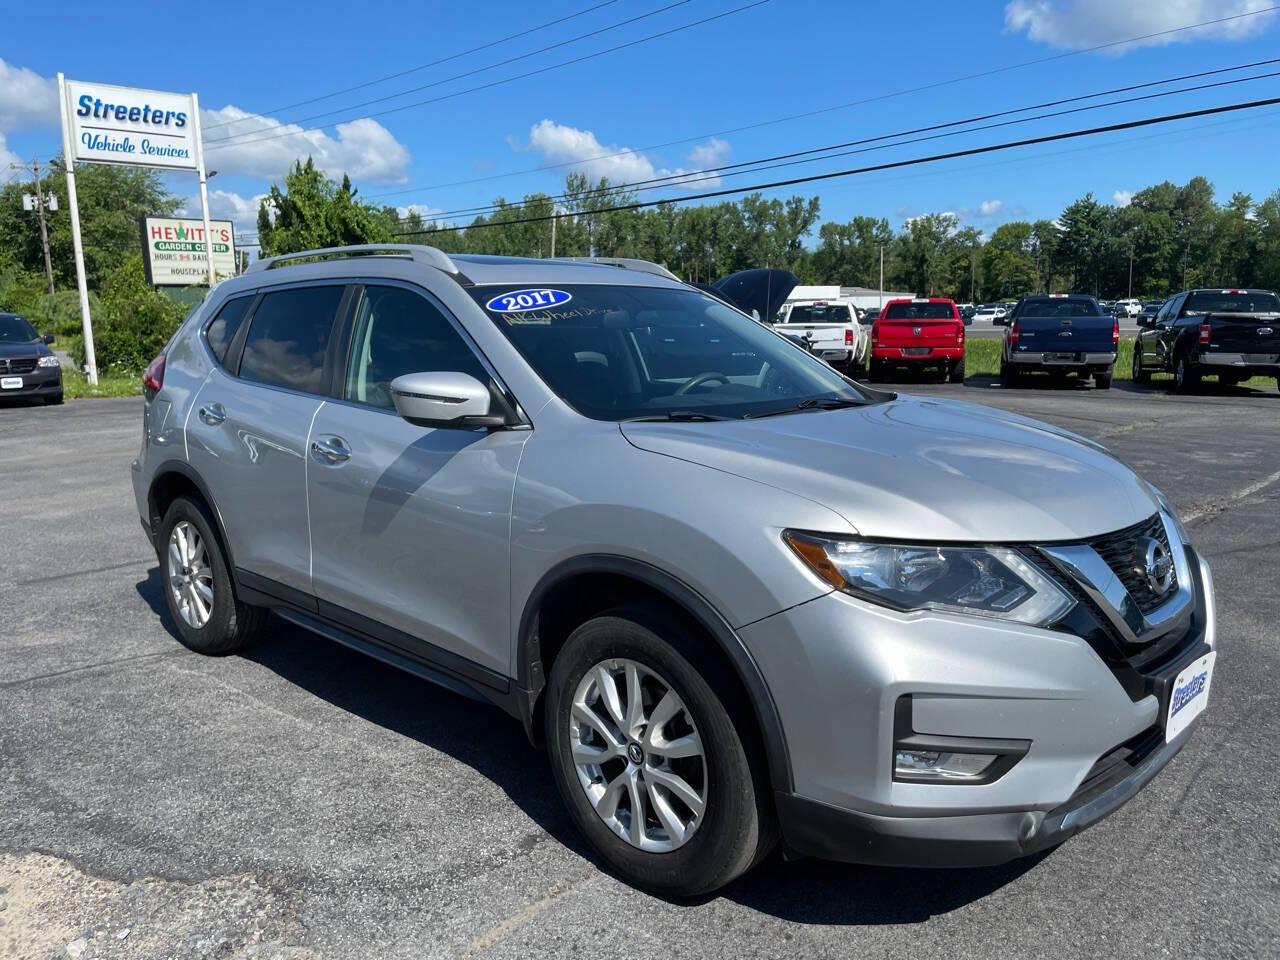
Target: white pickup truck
[829,328]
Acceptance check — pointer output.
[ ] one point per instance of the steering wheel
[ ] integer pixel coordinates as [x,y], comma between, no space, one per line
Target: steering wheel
[699,380]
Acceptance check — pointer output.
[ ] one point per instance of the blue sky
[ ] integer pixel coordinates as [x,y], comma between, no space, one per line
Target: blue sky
[779,58]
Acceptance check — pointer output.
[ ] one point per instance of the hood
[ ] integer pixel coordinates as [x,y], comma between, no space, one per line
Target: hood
[31,348]
[923,469]
[763,290]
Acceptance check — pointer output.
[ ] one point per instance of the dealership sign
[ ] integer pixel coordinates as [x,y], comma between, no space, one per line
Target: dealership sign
[148,128]
[175,254]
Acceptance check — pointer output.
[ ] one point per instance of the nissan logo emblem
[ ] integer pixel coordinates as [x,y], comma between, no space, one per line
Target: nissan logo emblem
[1158,566]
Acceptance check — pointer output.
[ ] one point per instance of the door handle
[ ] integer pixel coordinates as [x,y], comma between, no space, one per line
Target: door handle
[331,450]
[213,414]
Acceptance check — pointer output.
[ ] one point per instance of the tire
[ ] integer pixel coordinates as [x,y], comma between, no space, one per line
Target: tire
[1140,374]
[875,372]
[1102,381]
[1010,375]
[54,400]
[223,625]
[735,827]
[957,372]
[1186,379]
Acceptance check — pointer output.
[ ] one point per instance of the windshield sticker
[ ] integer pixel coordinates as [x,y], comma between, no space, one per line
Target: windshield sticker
[520,301]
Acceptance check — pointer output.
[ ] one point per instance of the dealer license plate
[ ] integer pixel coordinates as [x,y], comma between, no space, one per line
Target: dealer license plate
[11,383]
[1190,695]
[915,351]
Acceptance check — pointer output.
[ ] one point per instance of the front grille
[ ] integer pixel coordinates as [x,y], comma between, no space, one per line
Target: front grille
[17,364]
[1125,555]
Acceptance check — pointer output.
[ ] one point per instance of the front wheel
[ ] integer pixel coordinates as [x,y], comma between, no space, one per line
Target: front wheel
[649,760]
[197,583]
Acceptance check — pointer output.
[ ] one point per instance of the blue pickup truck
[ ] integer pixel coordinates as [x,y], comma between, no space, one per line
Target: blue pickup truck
[1059,333]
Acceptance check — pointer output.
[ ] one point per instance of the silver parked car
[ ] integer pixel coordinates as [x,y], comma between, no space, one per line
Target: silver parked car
[739,597]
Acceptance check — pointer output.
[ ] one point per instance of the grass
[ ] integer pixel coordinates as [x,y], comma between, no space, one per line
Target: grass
[75,386]
[982,359]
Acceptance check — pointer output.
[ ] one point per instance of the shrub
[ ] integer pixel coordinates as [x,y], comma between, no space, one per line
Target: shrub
[133,323]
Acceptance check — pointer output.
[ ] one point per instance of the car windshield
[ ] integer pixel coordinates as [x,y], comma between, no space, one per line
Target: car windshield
[618,352]
[15,329]
[1211,301]
[919,311]
[1058,308]
[819,313]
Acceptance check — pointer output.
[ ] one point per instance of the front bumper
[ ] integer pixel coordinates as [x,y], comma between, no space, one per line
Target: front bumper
[836,668]
[40,382]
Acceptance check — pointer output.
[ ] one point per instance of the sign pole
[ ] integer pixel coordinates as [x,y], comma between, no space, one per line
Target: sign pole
[204,189]
[90,360]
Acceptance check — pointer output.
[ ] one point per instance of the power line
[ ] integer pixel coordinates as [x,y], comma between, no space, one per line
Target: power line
[422,66]
[460,76]
[840,106]
[890,165]
[229,141]
[769,163]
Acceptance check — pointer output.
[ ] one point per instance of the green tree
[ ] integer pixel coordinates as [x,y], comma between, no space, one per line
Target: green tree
[313,212]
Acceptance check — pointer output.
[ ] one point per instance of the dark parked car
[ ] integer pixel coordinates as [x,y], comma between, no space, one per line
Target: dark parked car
[28,367]
[1233,334]
[1059,333]
[1147,315]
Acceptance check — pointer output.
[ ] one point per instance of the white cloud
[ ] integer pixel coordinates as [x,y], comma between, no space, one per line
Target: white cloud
[989,208]
[26,98]
[425,211]
[1072,24]
[1122,198]
[7,156]
[226,205]
[261,147]
[559,143]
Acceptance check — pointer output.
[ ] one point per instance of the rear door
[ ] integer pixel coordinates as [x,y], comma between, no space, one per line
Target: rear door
[247,432]
[410,525]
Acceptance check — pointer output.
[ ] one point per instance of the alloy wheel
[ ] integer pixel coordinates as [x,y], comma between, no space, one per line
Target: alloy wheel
[190,574]
[638,755]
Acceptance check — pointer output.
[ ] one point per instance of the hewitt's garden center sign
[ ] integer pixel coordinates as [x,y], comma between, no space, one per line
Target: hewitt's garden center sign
[174,251]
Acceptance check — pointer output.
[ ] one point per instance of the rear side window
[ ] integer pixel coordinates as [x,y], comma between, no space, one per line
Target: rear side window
[919,311]
[289,336]
[399,332]
[223,330]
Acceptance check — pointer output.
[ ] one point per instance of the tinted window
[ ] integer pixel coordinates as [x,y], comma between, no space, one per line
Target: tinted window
[1059,308]
[1207,301]
[615,352]
[222,331]
[812,313]
[399,332]
[919,311]
[288,337]
[15,329]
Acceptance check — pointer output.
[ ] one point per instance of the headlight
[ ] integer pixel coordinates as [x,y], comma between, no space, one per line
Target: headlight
[49,361]
[980,581]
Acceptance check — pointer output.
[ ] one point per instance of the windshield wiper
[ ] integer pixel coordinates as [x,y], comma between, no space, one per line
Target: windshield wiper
[677,416]
[811,403]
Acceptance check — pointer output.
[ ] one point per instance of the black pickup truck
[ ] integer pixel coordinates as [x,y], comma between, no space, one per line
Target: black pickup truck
[1231,334]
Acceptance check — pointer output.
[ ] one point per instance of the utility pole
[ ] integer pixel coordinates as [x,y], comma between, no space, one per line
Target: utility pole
[1131,271]
[44,230]
[882,278]
[555,215]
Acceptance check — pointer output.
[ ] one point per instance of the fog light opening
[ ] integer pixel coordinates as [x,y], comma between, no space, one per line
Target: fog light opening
[935,764]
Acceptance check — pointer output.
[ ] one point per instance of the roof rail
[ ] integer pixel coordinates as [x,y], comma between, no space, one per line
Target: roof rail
[416,252]
[626,263]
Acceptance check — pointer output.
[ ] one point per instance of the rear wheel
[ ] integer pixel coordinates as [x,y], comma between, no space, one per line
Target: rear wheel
[957,371]
[1009,375]
[197,583]
[1140,375]
[650,761]
[1102,380]
[1185,378]
[875,371]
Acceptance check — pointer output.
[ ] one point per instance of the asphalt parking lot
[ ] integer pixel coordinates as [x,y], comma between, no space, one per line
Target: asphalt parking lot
[301,801]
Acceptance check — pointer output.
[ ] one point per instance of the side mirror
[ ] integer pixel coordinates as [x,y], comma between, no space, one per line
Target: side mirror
[47,338]
[1146,323]
[444,399]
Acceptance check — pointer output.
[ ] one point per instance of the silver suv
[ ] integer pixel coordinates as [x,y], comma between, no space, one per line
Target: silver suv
[740,598]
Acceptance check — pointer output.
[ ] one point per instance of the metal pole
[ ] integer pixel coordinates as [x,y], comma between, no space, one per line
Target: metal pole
[90,359]
[882,278]
[44,231]
[555,215]
[204,192]
[1130,271]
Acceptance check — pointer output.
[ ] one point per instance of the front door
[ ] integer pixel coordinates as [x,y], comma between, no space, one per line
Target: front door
[410,525]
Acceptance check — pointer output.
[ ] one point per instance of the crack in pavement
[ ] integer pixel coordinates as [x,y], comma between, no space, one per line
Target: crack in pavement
[77,573]
[9,684]
[1219,505]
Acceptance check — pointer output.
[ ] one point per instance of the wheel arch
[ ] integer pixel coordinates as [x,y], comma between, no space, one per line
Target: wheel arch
[648,580]
[172,479]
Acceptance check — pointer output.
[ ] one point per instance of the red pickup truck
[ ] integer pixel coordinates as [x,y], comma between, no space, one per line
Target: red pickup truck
[921,333]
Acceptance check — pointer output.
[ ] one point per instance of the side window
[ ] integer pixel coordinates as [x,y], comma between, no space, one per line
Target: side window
[289,336]
[398,331]
[223,330]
